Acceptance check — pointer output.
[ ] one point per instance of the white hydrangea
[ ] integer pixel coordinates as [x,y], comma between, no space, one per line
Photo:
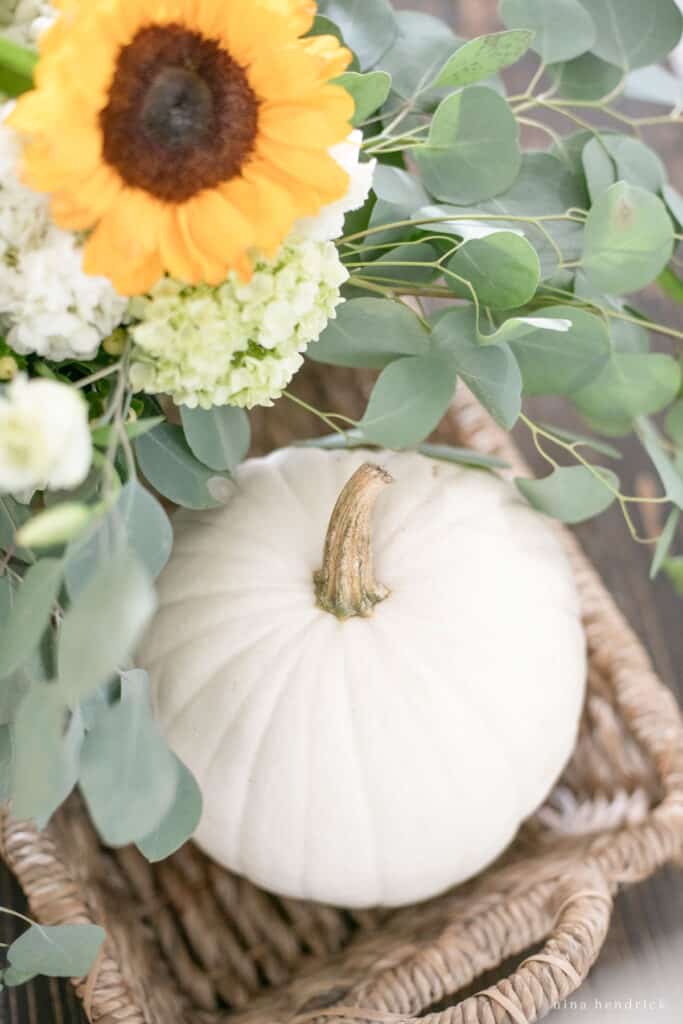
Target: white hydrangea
[48,304]
[239,343]
[44,436]
[329,222]
[24,21]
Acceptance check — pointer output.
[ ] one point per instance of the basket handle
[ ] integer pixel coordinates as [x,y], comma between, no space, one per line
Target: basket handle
[580,909]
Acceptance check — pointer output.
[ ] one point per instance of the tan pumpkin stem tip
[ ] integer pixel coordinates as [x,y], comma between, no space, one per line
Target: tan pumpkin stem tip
[346,584]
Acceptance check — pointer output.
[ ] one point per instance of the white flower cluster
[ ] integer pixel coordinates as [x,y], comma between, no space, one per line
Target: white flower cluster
[24,21]
[239,343]
[48,304]
[44,436]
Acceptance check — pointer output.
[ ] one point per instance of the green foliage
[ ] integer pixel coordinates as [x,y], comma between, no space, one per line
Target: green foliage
[629,239]
[629,385]
[368,26]
[17,65]
[218,437]
[46,752]
[631,34]
[503,269]
[408,400]
[563,28]
[180,820]
[611,158]
[664,542]
[369,91]
[571,493]
[169,465]
[22,628]
[421,47]
[371,333]
[480,58]
[472,152]
[63,951]
[557,363]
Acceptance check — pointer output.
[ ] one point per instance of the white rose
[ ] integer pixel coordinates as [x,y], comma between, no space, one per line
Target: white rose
[44,436]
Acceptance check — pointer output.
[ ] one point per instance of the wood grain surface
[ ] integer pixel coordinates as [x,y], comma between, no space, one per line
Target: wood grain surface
[639,976]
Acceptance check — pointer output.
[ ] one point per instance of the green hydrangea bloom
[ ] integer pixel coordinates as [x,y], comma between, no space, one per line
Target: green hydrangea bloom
[238,343]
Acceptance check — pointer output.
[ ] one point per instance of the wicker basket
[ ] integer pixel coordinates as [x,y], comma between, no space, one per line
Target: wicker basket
[188,942]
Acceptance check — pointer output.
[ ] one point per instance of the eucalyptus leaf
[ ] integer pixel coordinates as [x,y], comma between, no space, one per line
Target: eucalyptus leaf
[586,78]
[631,33]
[674,202]
[664,542]
[368,26]
[671,284]
[654,84]
[610,158]
[503,269]
[101,436]
[491,373]
[369,91]
[168,463]
[370,333]
[60,951]
[334,442]
[30,616]
[323,26]
[473,147]
[628,239]
[12,516]
[46,753]
[563,28]
[629,385]
[398,188]
[104,625]
[558,363]
[517,327]
[571,494]
[667,470]
[462,456]
[674,422]
[583,440]
[179,822]
[409,398]
[136,522]
[674,570]
[218,437]
[419,50]
[482,57]
[128,775]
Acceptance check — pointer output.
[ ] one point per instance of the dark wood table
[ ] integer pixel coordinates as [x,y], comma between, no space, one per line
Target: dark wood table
[638,977]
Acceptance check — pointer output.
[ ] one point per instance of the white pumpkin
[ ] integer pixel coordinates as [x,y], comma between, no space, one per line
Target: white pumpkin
[383,757]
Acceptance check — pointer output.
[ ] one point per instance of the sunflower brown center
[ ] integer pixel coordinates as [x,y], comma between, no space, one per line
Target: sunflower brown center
[181,116]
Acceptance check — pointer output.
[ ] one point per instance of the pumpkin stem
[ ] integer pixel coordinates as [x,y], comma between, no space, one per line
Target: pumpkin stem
[346,585]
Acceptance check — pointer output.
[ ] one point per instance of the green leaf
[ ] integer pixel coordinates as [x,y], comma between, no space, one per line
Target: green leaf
[585,78]
[19,61]
[104,625]
[30,616]
[179,822]
[218,437]
[668,473]
[408,400]
[128,775]
[13,977]
[674,202]
[491,373]
[60,951]
[418,52]
[554,363]
[370,333]
[410,263]
[563,28]
[172,469]
[12,516]
[610,158]
[503,269]
[56,525]
[369,91]
[136,522]
[368,26]
[473,147]
[571,493]
[630,385]
[674,422]
[482,57]
[462,456]
[401,190]
[517,327]
[325,27]
[673,567]
[101,436]
[671,284]
[334,442]
[631,33]
[628,239]
[46,753]
[666,539]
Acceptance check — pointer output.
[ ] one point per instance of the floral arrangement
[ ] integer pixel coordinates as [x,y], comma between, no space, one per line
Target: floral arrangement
[226,188]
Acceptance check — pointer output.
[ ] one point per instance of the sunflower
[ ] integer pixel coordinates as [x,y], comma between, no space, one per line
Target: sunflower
[186,135]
